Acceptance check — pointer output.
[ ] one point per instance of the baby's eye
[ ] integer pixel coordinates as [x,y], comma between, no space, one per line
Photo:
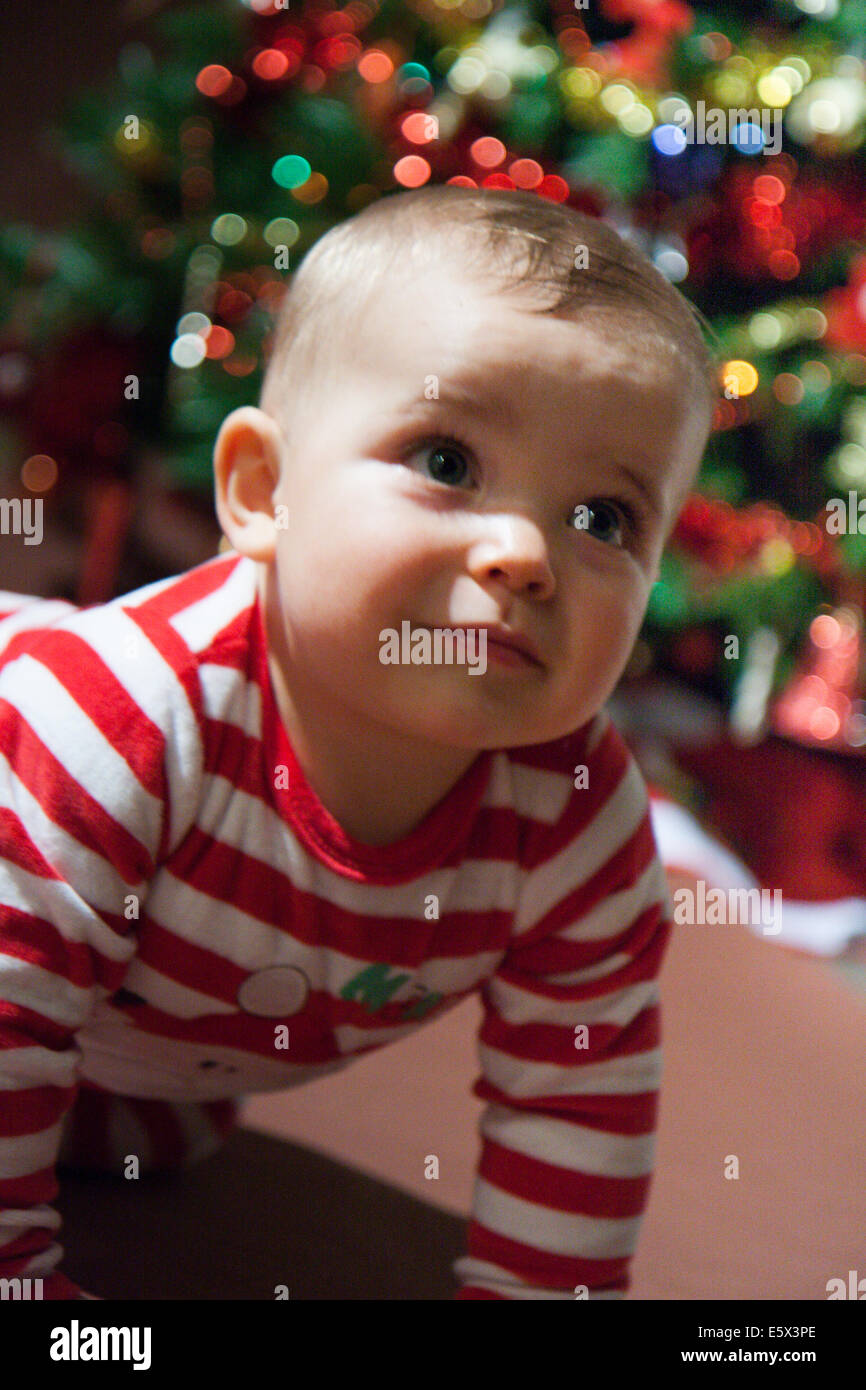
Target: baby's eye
[603,520]
[446,461]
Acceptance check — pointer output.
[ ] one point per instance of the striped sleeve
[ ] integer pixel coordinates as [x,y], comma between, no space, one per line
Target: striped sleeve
[570,1045]
[99,750]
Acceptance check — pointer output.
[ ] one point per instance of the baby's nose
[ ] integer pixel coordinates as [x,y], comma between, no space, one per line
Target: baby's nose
[514,551]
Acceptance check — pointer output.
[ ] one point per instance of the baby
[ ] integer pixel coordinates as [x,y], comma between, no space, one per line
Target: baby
[243,844]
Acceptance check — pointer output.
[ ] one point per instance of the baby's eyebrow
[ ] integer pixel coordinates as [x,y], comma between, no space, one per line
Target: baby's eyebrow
[482,403]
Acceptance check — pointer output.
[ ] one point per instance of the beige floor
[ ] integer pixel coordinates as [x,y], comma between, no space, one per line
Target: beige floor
[765,1060]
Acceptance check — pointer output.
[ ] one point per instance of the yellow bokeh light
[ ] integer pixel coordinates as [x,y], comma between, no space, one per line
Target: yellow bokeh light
[582,83]
[741,375]
[774,89]
[617,98]
[637,120]
[777,556]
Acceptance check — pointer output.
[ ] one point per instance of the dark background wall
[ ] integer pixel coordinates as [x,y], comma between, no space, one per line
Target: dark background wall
[49,51]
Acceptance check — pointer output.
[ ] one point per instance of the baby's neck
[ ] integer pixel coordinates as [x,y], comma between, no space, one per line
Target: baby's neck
[376,783]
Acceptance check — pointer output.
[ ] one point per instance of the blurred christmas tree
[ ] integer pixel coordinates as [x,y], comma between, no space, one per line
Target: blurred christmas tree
[244,129]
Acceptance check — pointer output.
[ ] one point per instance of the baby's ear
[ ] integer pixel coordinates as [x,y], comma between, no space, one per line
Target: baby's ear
[247,463]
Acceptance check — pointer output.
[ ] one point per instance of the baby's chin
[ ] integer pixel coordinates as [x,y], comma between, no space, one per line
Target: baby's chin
[480,730]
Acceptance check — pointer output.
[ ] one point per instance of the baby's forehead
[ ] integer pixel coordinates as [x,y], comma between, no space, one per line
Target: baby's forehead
[472,335]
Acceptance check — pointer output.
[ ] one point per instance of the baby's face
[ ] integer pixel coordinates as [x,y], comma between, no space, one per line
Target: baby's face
[472,465]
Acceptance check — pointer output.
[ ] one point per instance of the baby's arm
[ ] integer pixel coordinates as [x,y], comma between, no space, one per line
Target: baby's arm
[83,791]
[570,1053]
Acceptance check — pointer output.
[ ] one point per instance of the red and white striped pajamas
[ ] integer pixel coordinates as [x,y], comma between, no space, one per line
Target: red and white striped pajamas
[182,922]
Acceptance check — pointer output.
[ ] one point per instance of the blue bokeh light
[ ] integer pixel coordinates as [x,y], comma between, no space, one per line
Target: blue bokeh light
[669,139]
[748,138]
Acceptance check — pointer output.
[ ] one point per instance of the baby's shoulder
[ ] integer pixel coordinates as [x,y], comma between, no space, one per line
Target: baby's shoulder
[561,786]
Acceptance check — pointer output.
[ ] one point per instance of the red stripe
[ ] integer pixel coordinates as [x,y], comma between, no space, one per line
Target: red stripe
[189,588]
[561,1189]
[647,933]
[26,1028]
[178,657]
[260,890]
[189,964]
[30,1190]
[620,872]
[36,941]
[606,766]
[107,704]
[635,1113]
[66,802]
[35,1108]
[542,1269]
[555,1044]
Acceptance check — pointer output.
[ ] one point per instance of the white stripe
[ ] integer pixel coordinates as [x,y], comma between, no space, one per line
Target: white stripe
[30,615]
[479,1274]
[151,682]
[219,926]
[608,966]
[611,828]
[56,901]
[180,1001]
[199,624]
[252,944]
[245,822]
[79,746]
[597,730]
[618,1076]
[23,1068]
[556,1232]
[44,1264]
[17,1221]
[45,993]
[28,1153]
[616,912]
[518,1006]
[227,695]
[571,1146]
[145,593]
[499,792]
[539,794]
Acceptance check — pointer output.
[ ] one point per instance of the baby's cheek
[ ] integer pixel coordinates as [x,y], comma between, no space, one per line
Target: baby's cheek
[609,627]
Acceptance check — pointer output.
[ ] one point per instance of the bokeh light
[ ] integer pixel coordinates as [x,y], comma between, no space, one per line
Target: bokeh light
[229,229]
[39,472]
[669,139]
[214,80]
[375,66]
[270,65]
[412,171]
[740,375]
[291,170]
[487,151]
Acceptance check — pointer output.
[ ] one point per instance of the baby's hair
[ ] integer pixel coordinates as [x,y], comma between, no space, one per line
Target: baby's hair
[526,242]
